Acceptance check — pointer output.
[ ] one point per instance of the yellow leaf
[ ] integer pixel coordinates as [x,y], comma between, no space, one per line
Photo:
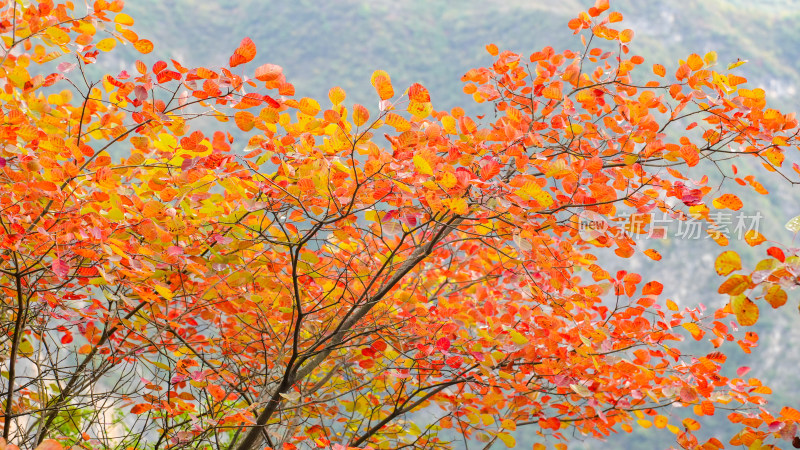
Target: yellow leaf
[447,180]
[509,424]
[373,216]
[507,439]
[746,311]
[309,106]
[57,35]
[123,19]
[163,291]
[727,262]
[449,124]
[644,423]
[691,424]
[419,110]
[738,63]
[458,205]
[518,338]
[336,95]
[672,306]
[422,165]
[695,330]
[106,45]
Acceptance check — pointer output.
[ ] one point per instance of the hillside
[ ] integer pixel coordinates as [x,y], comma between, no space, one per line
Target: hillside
[322,44]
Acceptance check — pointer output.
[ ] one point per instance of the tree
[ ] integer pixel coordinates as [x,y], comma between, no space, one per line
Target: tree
[323,286]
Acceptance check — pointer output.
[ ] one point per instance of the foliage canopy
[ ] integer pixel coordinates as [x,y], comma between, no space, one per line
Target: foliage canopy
[345,268]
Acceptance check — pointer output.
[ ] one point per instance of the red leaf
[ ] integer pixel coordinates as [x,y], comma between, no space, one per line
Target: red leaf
[60,268]
[271,101]
[443,344]
[776,253]
[454,361]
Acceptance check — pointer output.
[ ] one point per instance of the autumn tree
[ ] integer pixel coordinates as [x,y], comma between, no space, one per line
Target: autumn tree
[401,277]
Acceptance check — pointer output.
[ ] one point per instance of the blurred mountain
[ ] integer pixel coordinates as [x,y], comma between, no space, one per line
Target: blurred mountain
[434,42]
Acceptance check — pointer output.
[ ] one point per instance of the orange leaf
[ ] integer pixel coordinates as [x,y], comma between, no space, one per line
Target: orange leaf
[776,296]
[143,46]
[244,120]
[790,413]
[695,62]
[652,288]
[217,392]
[735,285]
[625,36]
[384,88]
[753,238]
[492,49]
[378,74]
[653,254]
[244,54]
[659,70]
[268,72]
[419,93]
[141,408]
[248,101]
[728,201]
[552,92]
[398,122]
[47,444]
[360,115]
[601,5]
